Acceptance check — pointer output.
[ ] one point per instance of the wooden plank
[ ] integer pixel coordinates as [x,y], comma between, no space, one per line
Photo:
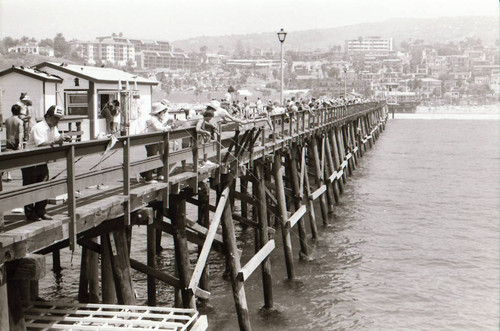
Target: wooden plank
[212,230]
[256,260]
[318,192]
[297,215]
[165,277]
[340,174]
[333,177]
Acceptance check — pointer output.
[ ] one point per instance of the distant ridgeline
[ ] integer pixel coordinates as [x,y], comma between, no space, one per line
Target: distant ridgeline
[427,29]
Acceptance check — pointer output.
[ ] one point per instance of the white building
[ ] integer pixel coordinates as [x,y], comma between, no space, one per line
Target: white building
[85,91]
[41,87]
[369,44]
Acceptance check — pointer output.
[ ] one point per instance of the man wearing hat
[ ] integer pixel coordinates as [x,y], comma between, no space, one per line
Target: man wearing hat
[154,123]
[220,112]
[42,134]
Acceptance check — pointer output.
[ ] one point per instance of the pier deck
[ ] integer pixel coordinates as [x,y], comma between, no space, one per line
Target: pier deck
[97,194]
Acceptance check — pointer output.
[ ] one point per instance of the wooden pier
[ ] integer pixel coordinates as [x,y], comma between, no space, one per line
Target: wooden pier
[282,171]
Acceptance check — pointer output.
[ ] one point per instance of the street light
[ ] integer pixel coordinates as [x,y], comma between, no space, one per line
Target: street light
[345,81]
[281,38]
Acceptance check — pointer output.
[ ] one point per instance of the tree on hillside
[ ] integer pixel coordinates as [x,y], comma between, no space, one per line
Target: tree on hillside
[61,46]
[46,43]
[334,72]
[9,42]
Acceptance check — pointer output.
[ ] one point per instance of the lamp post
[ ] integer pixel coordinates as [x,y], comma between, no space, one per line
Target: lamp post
[281,38]
[345,81]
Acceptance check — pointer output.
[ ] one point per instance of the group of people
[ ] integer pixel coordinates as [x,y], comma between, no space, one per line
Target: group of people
[21,135]
[43,133]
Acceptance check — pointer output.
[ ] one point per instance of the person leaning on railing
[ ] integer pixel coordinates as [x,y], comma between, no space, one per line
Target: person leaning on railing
[44,133]
[155,124]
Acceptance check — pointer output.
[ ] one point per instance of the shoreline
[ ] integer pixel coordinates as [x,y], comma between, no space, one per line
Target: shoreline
[451,109]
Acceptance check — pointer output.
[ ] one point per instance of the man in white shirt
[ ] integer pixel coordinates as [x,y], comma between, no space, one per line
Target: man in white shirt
[155,124]
[42,134]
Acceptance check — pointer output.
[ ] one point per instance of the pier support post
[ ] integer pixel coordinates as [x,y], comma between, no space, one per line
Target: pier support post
[56,261]
[310,201]
[342,151]
[4,302]
[319,181]
[151,254]
[263,237]
[285,225]
[120,264]
[204,220]
[325,171]
[88,291]
[293,175]
[107,282]
[233,260]
[336,159]
[19,274]
[177,215]
[332,185]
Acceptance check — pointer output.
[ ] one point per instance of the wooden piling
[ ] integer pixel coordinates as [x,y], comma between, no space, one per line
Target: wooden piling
[151,255]
[325,171]
[177,215]
[310,201]
[204,220]
[4,303]
[336,159]
[285,225]
[332,170]
[56,261]
[120,264]
[319,180]
[263,235]
[20,274]
[108,290]
[293,175]
[233,261]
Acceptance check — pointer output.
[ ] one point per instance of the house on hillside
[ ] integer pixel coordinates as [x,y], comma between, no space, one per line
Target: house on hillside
[86,90]
[42,88]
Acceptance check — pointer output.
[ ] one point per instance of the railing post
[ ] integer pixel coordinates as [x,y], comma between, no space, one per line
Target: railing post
[70,166]
[126,179]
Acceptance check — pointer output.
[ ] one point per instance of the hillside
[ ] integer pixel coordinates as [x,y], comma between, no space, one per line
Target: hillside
[430,30]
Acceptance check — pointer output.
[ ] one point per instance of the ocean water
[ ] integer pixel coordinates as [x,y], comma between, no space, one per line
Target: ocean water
[413,244]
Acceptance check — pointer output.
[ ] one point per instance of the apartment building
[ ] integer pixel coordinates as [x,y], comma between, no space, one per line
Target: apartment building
[140,53]
[369,44]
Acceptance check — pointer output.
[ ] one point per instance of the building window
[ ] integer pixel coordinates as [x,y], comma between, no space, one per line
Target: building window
[77,103]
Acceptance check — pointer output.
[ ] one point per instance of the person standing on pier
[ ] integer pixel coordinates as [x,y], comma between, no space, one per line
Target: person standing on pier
[26,114]
[44,133]
[15,132]
[15,129]
[112,114]
[154,123]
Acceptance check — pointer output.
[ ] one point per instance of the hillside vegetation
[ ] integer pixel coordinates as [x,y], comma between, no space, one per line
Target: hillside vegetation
[430,30]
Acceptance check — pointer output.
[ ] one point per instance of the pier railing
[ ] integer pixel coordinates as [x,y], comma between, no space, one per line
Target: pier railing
[285,127]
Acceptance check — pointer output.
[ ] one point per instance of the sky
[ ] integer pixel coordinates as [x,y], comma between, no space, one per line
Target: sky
[173,20]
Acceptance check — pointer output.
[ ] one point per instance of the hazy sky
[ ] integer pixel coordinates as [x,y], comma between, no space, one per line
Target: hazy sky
[179,19]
